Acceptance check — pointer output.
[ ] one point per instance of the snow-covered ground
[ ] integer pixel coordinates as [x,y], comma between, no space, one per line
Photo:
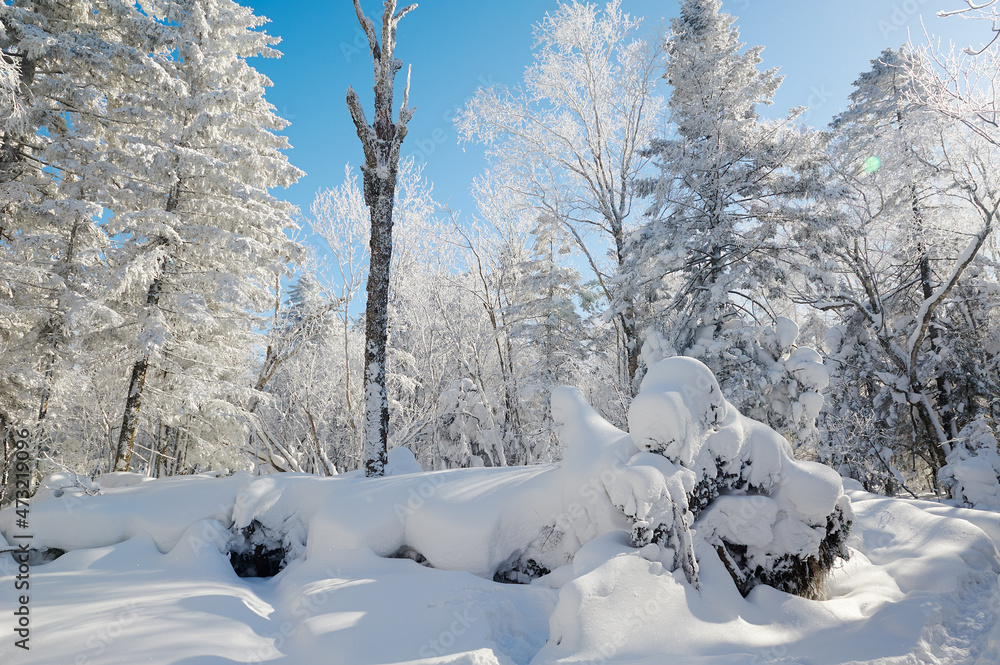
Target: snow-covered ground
[402,569]
[921,587]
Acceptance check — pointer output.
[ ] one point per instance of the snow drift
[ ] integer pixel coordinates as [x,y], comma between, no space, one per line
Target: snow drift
[642,548]
[691,465]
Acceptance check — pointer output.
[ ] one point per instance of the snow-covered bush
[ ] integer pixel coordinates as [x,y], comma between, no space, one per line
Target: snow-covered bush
[772,519]
[762,372]
[468,434]
[692,468]
[973,469]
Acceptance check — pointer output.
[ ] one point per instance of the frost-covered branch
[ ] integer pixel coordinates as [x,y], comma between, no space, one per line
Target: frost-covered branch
[978,11]
[569,143]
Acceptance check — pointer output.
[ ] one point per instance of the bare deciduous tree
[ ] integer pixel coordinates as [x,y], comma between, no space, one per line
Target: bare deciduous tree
[978,11]
[381,141]
[570,143]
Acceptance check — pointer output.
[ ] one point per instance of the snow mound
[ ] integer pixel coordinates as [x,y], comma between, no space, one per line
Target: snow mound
[639,549]
[920,588]
[687,448]
[74,516]
[781,522]
[972,472]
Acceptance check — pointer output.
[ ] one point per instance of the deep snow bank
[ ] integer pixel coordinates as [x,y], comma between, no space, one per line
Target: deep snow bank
[920,588]
[625,525]
[780,521]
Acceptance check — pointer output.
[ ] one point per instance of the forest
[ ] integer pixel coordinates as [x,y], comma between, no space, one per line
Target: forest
[694,382]
[161,313]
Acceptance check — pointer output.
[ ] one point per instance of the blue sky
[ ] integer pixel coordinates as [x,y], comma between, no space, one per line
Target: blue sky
[456,46]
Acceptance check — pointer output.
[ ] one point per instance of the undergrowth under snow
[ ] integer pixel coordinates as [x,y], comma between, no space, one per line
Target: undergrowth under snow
[626,553]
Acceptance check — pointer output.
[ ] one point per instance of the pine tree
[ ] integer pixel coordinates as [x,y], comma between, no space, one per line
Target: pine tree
[549,321]
[202,238]
[704,271]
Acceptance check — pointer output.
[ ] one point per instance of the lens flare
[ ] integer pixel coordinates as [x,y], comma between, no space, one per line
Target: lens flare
[872,164]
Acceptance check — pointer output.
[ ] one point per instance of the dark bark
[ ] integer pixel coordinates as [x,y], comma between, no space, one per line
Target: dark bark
[6,442]
[133,398]
[137,381]
[381,142]
[631,345]
[632,348]
[377,334]
[942,396]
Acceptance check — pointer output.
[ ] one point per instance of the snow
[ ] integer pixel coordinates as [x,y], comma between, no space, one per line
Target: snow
[921,587]
[930,599]
[811,490]
[125,509]
[807,366]
[678,405]
[972,473]
[738,519]
[786,331]
[400,461]
[147,575]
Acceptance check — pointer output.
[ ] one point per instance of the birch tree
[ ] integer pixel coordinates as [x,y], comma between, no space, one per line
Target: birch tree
[569,142]
[381,141]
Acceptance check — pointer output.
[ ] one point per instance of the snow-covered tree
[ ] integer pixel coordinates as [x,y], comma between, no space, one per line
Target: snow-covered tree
[901,256]
[201,240]
[984,11]
[569,143]
[958,85]
[54,182]
[548,318]
[11,106]
[313,381]
[972,472]
[705,272]
[439,335]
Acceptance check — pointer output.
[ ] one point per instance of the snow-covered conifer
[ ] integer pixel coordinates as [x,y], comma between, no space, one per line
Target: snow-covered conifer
[72,57]
[705,271]
[202,240]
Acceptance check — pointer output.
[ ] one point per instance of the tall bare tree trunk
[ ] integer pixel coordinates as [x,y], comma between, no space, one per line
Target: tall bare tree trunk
[381,142]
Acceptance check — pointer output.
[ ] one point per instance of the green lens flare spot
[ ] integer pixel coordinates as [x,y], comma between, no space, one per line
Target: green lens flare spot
[872,164]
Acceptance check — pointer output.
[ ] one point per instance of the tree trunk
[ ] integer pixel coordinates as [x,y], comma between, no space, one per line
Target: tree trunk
[381,142]
[632,348]
[6,430]
[133,399]
[942,396]
[631,344]
[377,334]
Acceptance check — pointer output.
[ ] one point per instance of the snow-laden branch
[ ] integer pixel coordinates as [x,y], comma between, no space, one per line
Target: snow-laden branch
[978,11]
